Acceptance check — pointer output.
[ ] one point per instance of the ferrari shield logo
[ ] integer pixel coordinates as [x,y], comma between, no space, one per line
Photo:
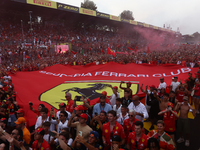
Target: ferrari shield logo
[88,89]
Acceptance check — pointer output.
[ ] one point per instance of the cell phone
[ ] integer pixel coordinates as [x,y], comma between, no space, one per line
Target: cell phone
[95,113]
[52,109]
[51,133]
[30,103]
[78,98]
[80,133]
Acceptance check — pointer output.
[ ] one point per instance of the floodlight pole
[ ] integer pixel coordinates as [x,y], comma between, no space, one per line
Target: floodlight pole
[30,12]
[22,30]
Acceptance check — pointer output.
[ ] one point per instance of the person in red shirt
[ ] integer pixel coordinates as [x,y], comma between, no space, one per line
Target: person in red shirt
[181,92]
[164,139]
[20,113]
[112,128]
[137,140]
[70,102]
[129,124]
[107,99]
[35,110]
[40,143]
[169,117]
[196,96]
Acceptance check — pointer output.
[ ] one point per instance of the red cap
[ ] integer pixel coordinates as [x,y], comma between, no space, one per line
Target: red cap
[129,82]
[115,87]
[79,107]
[84,116]
[187,80]
[40,131]
[20,111]
[104,93]
[170,104]
[62,105]
[152,86]
[88,100]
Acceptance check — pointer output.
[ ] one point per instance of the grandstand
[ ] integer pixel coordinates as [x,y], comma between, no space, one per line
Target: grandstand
[75,17]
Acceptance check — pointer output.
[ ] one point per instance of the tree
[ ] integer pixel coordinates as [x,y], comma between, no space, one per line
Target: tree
[89,5]
[127,14]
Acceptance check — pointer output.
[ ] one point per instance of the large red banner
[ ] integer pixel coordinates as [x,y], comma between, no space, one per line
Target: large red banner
[48,86]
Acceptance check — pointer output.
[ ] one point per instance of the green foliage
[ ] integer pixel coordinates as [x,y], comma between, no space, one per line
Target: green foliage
[127,14]
[89,5]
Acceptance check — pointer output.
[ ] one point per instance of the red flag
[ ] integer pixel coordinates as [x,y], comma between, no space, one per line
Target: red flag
[51,93]
[135,48]
[148,50]
[109,51]
[131,49]
[26,56]
[102,51]
[74,52]
[38,56]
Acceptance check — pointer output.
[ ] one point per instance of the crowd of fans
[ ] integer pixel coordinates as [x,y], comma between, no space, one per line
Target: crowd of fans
[87,46]
[112,123]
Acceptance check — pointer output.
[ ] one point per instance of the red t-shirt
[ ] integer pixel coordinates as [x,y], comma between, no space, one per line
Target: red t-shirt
[169,120]
[117,130]
[37,112]
[107,101]
[70,106]
[44,145]
[141,143]
[197,90]
[128,128]
[180,96]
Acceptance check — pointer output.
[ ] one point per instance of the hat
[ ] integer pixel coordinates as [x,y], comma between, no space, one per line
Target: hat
[40,131]
[104,93]
[185,98]
[88,100]
[115,87]
[62,105]
[94,134]
[84,116]
[116,138]
[170,104]
[20,111]
[175,77]
[20,120]
[3,120]
[79,107]
[129,82]
[187,80]
[152,86]
[4,106]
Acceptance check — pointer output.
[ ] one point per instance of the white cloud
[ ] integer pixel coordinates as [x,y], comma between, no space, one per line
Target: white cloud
[178,13]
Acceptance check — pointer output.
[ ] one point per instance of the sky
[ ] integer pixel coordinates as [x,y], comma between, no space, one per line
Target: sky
[182,14]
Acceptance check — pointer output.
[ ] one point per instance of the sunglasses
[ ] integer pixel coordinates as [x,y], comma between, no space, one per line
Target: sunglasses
[130,115]
[61,115]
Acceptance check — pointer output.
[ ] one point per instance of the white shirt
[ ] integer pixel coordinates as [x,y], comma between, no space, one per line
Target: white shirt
[69,114]
[39,122]
[140,109]
[120,120]
[6,78]
[118,111]
[47,138]
[60,126]
[113,98]
[162,85]
[174,85]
